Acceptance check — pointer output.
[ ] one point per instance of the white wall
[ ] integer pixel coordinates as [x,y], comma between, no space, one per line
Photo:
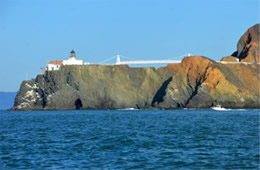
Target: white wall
[72,62]
[53,67]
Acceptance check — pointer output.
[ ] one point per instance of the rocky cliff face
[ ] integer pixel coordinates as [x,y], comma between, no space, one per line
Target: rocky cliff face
[197,82]
[248,46]
[91,87]
[202,83]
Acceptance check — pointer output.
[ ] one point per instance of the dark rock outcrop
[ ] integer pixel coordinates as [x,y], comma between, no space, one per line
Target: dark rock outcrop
[95,86]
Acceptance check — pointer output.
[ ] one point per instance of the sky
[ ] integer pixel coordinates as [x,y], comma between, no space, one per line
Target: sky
[33,32]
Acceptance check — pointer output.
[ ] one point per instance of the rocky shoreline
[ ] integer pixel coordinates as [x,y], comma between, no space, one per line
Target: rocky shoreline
[197,82]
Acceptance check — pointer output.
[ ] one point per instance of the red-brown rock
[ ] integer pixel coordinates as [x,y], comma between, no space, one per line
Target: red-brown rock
[248,46]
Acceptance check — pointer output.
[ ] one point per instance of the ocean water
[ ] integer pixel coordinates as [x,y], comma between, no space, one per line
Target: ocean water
[130,139]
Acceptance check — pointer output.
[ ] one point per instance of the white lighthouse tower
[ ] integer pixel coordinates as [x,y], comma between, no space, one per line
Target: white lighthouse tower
[72,59]
[72,55]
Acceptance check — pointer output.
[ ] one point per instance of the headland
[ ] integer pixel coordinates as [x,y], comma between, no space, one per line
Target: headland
[194,82]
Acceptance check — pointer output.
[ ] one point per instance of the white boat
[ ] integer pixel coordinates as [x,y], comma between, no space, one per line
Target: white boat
[219,108]
[131,108]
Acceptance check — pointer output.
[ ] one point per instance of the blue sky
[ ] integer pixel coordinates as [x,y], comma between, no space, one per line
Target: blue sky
[33,32]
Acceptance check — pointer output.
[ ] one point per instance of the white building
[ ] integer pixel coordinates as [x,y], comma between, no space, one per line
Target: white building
[72,60]
[54,65]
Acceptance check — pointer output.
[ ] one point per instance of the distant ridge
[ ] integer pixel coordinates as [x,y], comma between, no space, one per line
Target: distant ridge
[7,100]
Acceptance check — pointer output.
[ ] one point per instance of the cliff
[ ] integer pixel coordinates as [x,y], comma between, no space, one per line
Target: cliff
[201,83]
[197,82]
[247,47]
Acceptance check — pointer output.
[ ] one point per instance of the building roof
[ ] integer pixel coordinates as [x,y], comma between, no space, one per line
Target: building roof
[56,62]
[72,51]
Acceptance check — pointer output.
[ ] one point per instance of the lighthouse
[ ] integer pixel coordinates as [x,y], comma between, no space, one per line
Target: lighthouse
[72,59]
[72,55]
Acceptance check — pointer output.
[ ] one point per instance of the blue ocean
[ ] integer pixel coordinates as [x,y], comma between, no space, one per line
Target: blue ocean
[130,139]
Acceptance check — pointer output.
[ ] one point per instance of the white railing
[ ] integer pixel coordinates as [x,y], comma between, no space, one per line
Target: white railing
[149,62]
[119,62]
